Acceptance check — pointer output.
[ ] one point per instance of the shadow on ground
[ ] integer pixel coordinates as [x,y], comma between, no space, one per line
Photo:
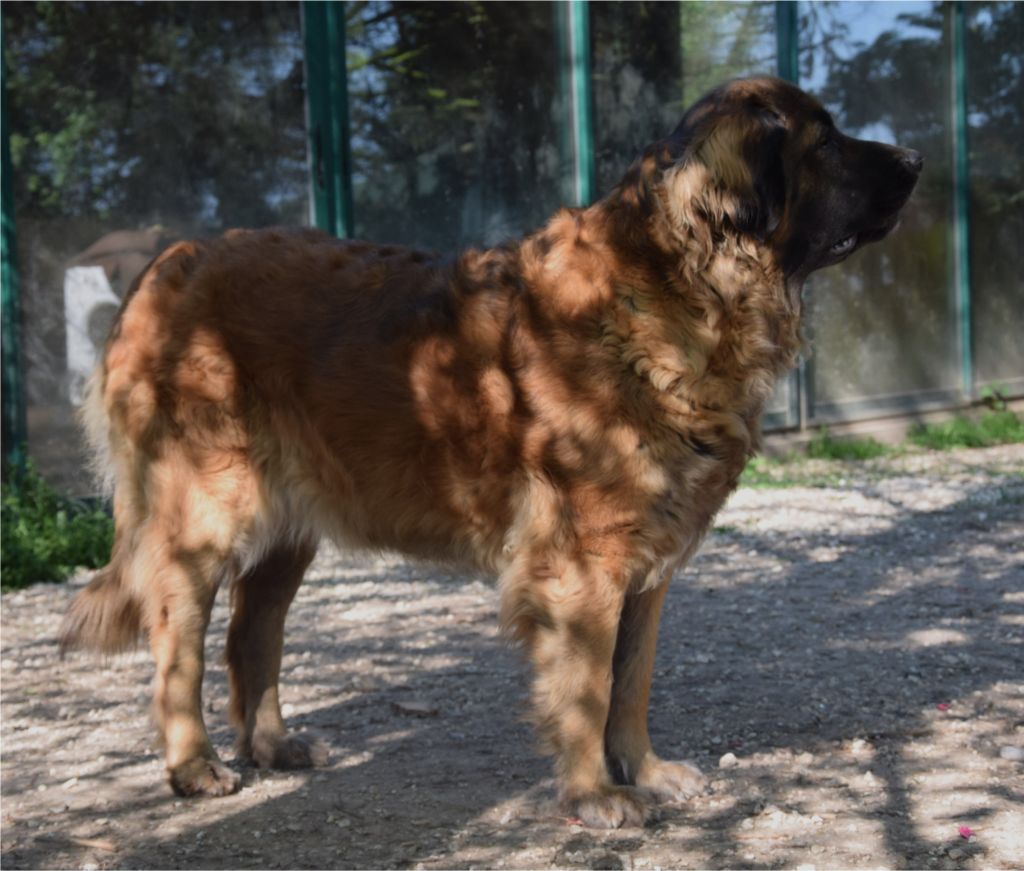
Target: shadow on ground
[859,690]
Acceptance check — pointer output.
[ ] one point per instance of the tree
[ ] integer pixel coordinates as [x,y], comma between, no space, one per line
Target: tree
[185,118]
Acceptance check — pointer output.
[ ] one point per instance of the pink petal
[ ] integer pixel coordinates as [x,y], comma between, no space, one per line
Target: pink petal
[966,832]
[943,706]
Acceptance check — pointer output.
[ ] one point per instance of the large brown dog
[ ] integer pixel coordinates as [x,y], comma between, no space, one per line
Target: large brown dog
[568,411]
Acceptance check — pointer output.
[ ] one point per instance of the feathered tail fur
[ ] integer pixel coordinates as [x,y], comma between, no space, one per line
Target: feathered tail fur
[103,617]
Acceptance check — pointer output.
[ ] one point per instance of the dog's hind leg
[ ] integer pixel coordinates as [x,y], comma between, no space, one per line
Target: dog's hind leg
[628,745]
[170,556]
[260,598]
[194,508]
[182,582]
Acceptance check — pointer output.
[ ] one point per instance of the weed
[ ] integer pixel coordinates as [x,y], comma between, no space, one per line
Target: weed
[46,536]
[824,447]
[994,396]
[994,428]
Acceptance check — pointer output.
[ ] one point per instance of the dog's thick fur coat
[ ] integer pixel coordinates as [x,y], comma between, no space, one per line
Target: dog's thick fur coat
[567,412]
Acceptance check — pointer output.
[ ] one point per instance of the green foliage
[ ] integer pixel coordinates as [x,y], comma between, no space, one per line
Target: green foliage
[824,447]
[145,113]
[994,396]
[994,428]
[46,536]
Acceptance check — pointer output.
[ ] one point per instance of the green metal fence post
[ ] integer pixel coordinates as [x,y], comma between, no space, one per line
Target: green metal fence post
[582,100]
[13,400]
[788,68]
[572,36]
[323,25]
[786,33]
[961,200]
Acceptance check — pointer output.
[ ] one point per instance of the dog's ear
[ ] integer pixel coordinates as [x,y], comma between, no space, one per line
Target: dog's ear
[741,149]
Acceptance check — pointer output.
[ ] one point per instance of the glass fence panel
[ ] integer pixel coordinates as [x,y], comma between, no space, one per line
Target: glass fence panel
[995,115]
[883,324]
[460,127]
[131,125]
[651,60]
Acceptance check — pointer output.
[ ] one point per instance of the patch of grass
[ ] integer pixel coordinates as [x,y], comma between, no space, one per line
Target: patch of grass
[45,535]
[824,447]
[995,428]
[762,472]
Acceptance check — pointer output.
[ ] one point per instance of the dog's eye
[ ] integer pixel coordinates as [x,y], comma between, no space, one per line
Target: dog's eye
[825,139]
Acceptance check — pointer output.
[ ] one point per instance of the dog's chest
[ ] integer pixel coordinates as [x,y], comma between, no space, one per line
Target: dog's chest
[695,485]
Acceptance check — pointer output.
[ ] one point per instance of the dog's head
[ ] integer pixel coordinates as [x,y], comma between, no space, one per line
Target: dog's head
[763,159]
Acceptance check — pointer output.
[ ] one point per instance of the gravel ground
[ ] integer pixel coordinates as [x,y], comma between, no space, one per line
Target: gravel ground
[845,661]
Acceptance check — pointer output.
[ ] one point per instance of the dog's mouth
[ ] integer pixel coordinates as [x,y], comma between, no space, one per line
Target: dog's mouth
[843,246]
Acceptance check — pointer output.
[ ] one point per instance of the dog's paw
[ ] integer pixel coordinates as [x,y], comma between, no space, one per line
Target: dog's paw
[298,750]
[670,781]
[203,776]
[609,808]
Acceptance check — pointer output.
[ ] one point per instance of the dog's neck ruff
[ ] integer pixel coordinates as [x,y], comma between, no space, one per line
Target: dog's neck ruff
[714,330]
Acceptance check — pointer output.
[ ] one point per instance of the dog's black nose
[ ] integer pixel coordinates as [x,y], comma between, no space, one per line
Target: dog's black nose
[912,160]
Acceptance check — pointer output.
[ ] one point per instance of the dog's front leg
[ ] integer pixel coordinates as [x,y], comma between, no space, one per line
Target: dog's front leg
[567,612]
[630,754]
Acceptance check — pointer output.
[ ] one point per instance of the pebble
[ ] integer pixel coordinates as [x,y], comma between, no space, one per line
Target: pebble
[415,708]
[727,760]
[1014,754]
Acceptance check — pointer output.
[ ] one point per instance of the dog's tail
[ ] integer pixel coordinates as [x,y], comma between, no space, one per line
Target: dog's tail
[103,617]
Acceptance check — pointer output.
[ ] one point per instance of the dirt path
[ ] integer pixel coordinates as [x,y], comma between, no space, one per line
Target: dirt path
[846,663]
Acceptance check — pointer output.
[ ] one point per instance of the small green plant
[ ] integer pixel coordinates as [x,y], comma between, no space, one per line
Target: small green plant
[994,396]
[824,447]
[994,428]
[45,536]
